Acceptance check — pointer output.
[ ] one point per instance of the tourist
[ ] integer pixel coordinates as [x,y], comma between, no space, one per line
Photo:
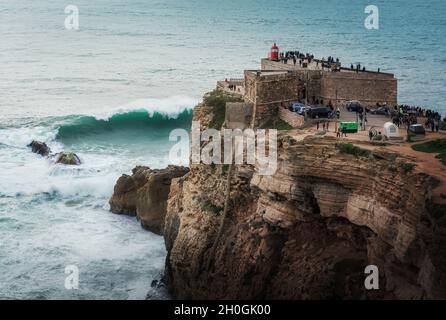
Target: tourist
[317,125]
[344,131]
[370,134]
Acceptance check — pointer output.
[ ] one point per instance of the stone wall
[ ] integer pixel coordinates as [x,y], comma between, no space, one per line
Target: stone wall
[268,91]
[293,119]
[238,115]
[368,88]
[271,87]
[339,87]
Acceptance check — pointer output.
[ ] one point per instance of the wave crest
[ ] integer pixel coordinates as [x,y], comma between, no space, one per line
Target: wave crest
[138,120]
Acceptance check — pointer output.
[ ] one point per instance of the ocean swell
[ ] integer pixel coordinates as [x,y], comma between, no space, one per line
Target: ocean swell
[137,120]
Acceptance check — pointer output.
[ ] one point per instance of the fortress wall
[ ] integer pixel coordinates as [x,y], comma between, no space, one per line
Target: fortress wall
[277,88]
[369,89]
[269,91]
[250,87]
[267,64]
[339,87]
[238,115]
[292,118]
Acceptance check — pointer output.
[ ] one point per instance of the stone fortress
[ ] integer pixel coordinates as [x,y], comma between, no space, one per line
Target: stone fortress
[311,81]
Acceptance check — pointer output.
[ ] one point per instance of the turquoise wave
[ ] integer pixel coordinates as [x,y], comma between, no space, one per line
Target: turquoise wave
[139,121]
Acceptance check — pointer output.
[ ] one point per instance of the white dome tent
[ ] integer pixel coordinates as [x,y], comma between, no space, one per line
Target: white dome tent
[391,131]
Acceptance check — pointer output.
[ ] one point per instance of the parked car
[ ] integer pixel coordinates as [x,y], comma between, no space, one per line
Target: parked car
[355,106]
[380,110]
[299,108]
[416,132]
[416,129]
[296,106]
[319,112]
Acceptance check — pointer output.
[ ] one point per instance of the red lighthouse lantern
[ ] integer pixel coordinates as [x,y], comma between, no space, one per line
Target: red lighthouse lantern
[274,55]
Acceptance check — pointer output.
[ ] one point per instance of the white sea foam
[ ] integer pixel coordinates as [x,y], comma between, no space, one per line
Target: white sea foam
[171,107]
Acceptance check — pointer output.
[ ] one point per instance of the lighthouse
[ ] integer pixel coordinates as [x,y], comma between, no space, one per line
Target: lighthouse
[274,54]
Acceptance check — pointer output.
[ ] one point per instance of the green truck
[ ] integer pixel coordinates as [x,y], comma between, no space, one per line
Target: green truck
[350,127]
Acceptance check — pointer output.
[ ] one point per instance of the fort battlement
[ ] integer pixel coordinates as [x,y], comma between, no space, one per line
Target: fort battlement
[277,84]
[324,85]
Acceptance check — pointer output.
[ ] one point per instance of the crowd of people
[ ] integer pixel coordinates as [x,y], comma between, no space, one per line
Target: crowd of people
[358,68]
[402,115]
[300,58]
[407,115]
[296,57]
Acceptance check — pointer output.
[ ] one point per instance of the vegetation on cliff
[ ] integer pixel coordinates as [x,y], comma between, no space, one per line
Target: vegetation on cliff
[217,100]
[207,206]
[407,166]
[349,148]
[434,146]
[278,124]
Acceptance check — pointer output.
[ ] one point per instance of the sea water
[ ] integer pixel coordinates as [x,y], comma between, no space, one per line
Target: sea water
[112,91]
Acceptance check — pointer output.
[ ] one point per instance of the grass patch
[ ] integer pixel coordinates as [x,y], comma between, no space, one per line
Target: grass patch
[407,167]
[353,150]
[208,206]
[435,146]
[276,124]
[217,101]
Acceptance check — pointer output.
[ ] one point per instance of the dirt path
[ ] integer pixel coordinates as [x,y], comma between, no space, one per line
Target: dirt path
[426,162]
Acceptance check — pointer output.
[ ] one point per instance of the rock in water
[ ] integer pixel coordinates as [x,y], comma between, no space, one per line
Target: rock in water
[123,200]
[68,158]
[145,195]
[40,148]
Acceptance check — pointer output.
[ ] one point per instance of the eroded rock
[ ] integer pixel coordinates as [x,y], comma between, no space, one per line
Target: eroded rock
[306,232]
[40,148]
[145,195]
[67,158]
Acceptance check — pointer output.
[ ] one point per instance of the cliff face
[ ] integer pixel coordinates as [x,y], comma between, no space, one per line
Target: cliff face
[307,232]
[144,194]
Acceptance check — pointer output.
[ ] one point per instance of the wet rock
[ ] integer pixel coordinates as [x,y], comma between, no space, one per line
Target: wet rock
[145,195]
[68,158]
[40,148]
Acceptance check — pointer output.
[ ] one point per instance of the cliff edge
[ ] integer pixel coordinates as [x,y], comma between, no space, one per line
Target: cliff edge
[308,231]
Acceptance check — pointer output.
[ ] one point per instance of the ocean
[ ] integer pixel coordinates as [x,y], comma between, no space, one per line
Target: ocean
[113,90]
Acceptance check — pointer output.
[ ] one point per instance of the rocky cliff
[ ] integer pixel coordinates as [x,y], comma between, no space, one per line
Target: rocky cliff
[144,194]
[308,231]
